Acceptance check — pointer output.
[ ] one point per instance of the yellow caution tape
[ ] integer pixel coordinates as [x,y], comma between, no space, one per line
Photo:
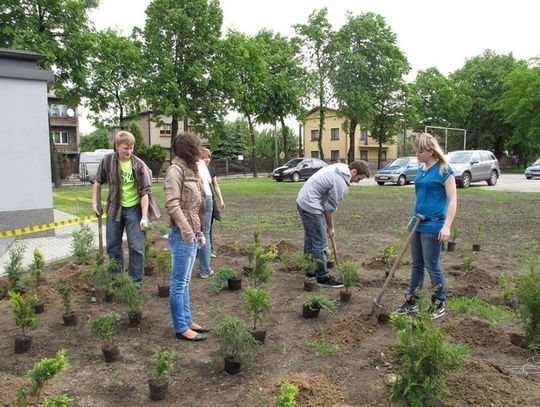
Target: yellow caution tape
[38,228]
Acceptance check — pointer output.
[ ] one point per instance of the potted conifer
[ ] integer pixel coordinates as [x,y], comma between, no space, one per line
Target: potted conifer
[127,293]
[257,305]
[225,275]
[149,255]
[69,316]
[451,245]
[163,262]
[103,279]
[159,383]
[103,327]
[350,275]
[476,245]
[251,250]
[314,303]
[308,266]
[236,343]
[25,317]
[36,275]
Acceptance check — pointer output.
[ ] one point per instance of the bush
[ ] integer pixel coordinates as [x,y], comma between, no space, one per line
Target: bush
[288,394]
[25,315]
[319,301]
[349,274]
[14,267]
[66,292]
[528,296]
[103,274]
[127,293]
[36,268]
[256,304]
[163,260]
[43,371]
[423,359]
[220,279]
[103,327]
[307,264]
[82,244]
[235,340]
[262,272]
[163,364]
[292,261]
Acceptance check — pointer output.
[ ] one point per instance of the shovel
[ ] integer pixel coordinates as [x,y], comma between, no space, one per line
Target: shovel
[333,239]
[376,308]
[101,258]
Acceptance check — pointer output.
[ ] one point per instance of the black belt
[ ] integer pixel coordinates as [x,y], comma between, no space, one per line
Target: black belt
[433,219]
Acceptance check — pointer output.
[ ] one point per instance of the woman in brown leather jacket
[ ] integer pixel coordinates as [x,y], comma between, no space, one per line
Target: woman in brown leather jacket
[185,201]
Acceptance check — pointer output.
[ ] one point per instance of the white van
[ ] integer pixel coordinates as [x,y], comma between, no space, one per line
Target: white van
[89,162]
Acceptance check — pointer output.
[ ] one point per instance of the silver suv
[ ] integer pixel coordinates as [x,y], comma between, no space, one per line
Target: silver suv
[473,166]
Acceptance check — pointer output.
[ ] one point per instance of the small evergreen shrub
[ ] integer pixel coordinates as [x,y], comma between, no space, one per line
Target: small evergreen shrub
[36,268]
[163,262]
[528,296]
[127,293]
[24,309]
[320,301]
[66,292]
[256,304]
[220,279]
[287,397]
[163,364]
[423,358]
[235,340]
[14,266]
[82,244]
[103,327]
[349,274]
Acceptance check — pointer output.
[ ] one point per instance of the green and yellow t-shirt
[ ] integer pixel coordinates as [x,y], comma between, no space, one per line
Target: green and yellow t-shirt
[130,195]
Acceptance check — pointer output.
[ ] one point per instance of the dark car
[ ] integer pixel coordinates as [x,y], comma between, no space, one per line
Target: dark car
[533,170]
[401,171]
[298,168]
[474,165]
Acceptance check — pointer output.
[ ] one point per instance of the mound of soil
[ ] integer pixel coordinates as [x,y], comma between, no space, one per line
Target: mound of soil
[478,333]
[230,250]
[476,277]
[377,263]
[314,391]
[347,332]
[484,383]
[71,274]
[284,247]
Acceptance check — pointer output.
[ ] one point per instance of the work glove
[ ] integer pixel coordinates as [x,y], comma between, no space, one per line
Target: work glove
[96,207]
[145,224]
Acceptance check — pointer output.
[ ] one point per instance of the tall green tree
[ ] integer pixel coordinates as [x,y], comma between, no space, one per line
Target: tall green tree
[245,74]
[58,29]
[315,37]
[286,85]
[115,68]
[98,139]
[519,105]
[181,39]
[369,77]
[481,79]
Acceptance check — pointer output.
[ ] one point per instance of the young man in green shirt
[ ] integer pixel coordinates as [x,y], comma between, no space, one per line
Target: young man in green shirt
[127,203]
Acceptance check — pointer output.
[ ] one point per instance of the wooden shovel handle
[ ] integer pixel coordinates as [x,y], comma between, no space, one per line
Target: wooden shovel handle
[419,218]
[333,239]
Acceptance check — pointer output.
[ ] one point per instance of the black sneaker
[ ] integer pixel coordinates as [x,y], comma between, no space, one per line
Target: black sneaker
[437,309]
[311,275]
[329,281]
[408,307]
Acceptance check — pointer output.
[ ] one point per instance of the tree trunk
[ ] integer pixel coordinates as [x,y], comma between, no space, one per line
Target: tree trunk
[54,160]
[253,146]
[174,132]
[322,114]
[300,148]
[352,144]
[379,154]
[285,138]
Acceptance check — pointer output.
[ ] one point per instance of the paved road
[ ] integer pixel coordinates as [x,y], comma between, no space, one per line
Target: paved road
[507,182]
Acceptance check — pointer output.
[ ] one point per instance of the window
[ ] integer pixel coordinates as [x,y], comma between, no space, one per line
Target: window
[334,155]
[363,155]
[314,154]
[58,111]
[315,135]
[334,134]
[60,137]
[165,130]
[364,136]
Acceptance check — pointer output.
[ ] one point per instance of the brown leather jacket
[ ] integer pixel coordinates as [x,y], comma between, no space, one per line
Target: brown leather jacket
[185,199]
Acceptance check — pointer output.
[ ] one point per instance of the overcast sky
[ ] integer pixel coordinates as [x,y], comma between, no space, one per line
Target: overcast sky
[436,33]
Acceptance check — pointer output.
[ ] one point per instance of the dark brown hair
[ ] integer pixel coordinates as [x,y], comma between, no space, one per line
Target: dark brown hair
[361,167]
[187,147]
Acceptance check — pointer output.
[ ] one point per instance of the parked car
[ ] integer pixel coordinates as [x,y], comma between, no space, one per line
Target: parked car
[298,168]
[533,170]
[89,163]
[400,171]
[473,166]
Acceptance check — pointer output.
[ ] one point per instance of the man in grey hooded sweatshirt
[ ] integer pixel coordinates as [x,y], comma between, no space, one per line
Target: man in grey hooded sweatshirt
[317,201]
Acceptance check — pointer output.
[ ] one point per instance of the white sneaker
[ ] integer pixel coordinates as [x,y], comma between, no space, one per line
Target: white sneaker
[207,275]
[213,255]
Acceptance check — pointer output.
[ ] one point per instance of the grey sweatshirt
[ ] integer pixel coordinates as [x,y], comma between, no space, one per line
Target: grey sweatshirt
[325,189]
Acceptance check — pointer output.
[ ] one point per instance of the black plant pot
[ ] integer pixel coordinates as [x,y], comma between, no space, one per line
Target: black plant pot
[148,270]
[70,319]
[39,308]
[232,366]
[476,247]
[22,344]
[451,246]
[310,285]
[260,336]
[110,353]
[308,312]
[134,318]
[235,284]
[163,291]
[158,390]
[345,296]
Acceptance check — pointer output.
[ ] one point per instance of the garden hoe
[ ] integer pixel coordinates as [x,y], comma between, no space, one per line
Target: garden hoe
[376,307]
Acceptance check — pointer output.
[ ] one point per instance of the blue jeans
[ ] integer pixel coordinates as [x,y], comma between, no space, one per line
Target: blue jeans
[130,221]
[206,251]
[315,241]
[425,253]
[183,258]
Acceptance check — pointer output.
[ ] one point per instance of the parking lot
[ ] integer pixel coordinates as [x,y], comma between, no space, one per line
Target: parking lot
[507,182]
